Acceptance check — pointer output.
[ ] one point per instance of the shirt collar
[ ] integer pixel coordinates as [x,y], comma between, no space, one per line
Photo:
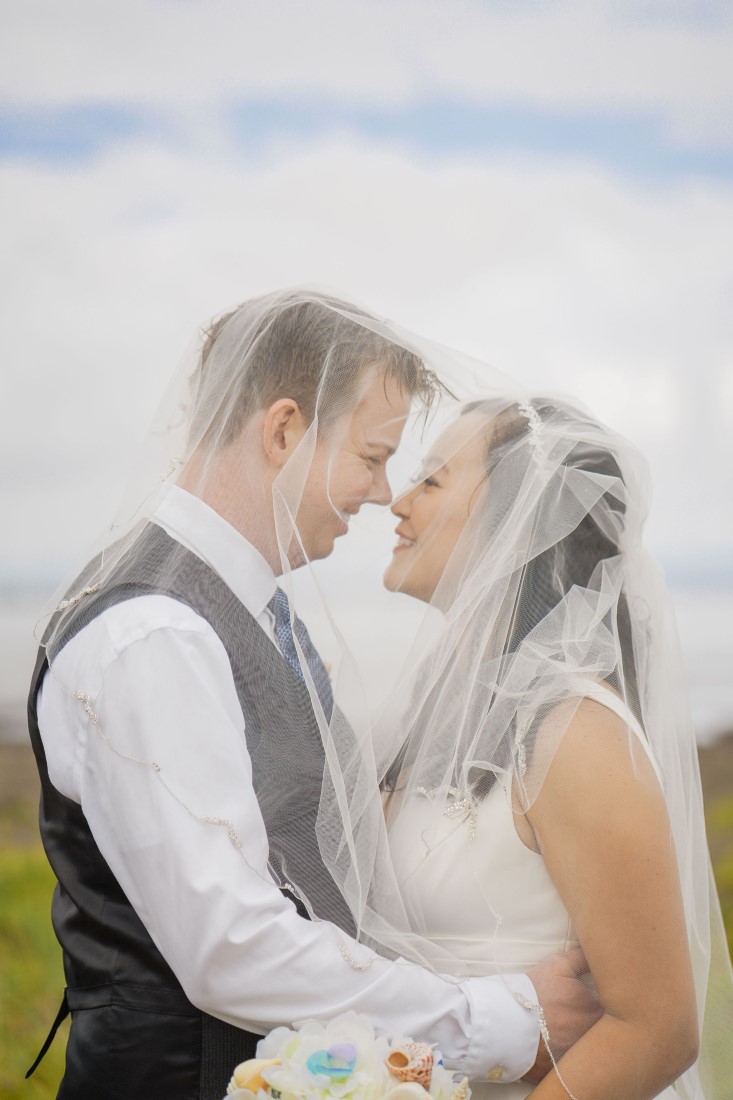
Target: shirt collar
[208,535]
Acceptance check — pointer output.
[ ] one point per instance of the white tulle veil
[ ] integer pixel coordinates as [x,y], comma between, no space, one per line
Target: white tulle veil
[547,589]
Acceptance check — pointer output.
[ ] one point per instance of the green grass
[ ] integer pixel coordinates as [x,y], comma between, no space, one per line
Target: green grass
[31,977]
[720,830]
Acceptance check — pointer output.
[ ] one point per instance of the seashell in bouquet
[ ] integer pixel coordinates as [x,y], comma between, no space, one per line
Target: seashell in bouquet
[343,1060]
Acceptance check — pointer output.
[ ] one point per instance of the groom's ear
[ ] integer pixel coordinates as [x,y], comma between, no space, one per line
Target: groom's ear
[283,427]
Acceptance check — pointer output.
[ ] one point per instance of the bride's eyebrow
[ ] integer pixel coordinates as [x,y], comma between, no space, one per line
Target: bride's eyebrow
[435,463]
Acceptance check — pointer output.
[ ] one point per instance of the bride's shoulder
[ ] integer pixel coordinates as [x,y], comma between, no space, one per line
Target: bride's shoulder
[584,746]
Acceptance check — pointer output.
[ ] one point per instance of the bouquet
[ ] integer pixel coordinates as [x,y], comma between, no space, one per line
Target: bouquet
[343,1060]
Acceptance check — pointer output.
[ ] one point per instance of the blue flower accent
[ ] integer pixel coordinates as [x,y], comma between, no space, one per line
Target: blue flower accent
[337,1062]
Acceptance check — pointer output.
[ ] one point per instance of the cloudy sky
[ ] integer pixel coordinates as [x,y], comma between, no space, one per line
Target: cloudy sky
[547,185]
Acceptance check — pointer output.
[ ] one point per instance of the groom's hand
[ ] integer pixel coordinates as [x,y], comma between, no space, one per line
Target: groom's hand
[570,1008]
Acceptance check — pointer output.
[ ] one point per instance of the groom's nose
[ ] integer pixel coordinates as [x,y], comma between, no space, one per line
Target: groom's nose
[381,491]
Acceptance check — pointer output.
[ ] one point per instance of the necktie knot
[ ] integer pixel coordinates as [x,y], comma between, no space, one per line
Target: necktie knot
[287,629]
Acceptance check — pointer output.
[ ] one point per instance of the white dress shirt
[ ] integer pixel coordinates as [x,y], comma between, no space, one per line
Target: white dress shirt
[163,748]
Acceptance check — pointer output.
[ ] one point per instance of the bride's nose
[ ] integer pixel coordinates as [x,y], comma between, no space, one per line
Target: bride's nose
[403,504]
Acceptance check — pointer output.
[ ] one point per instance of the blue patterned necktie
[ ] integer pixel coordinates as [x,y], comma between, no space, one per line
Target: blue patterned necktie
[280,608]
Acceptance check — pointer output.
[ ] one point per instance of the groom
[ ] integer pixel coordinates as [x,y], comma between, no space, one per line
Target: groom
[176,744]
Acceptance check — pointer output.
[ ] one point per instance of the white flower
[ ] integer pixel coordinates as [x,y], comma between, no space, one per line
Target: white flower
[347,1041]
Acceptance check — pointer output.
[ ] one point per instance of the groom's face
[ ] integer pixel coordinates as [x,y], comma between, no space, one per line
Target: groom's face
[349,465]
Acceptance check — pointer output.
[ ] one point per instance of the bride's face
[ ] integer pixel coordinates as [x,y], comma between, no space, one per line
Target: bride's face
[433,514]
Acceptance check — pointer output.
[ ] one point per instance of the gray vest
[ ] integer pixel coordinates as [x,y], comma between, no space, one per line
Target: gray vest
[118,984]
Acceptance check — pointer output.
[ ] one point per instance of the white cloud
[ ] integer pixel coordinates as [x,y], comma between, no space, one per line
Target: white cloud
[568,279]
[189,55]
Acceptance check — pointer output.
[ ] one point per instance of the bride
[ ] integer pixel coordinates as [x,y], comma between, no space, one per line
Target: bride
[545,794]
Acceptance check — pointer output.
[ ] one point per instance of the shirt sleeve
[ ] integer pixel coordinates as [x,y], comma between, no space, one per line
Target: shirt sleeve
[158,760]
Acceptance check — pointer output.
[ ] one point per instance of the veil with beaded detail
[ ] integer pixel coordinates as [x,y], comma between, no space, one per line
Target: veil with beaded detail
[547,584]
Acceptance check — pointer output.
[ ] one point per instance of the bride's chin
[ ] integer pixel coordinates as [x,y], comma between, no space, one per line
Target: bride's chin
[396,579]
[388,581]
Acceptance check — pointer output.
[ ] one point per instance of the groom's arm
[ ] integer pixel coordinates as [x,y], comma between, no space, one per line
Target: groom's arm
[168,752]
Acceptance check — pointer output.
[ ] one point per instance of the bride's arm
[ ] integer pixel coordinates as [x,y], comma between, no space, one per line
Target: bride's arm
[601,824]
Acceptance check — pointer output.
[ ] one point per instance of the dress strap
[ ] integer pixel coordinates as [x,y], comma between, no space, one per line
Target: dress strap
[601,693]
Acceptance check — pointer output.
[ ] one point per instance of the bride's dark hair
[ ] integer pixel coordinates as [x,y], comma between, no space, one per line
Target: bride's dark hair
[573,561]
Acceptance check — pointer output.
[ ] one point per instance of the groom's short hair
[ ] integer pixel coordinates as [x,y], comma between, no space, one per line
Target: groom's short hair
[312,348]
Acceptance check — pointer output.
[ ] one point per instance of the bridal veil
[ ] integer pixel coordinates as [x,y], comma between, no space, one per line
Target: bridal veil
[547,589]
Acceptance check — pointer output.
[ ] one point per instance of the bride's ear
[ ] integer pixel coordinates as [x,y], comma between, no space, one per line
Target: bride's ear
[283,427]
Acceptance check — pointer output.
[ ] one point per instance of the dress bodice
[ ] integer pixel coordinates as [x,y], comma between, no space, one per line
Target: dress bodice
[490,901]
[474,889]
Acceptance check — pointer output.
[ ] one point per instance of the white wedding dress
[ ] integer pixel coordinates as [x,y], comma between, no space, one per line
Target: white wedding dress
[491,903]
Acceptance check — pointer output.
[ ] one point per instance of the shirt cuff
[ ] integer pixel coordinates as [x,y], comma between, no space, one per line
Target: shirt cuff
[504,1035]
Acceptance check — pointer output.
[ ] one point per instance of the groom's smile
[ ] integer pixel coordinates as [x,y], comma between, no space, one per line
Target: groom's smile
[349,466]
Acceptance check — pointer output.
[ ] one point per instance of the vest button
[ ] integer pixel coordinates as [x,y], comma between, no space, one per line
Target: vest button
[496,1073]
